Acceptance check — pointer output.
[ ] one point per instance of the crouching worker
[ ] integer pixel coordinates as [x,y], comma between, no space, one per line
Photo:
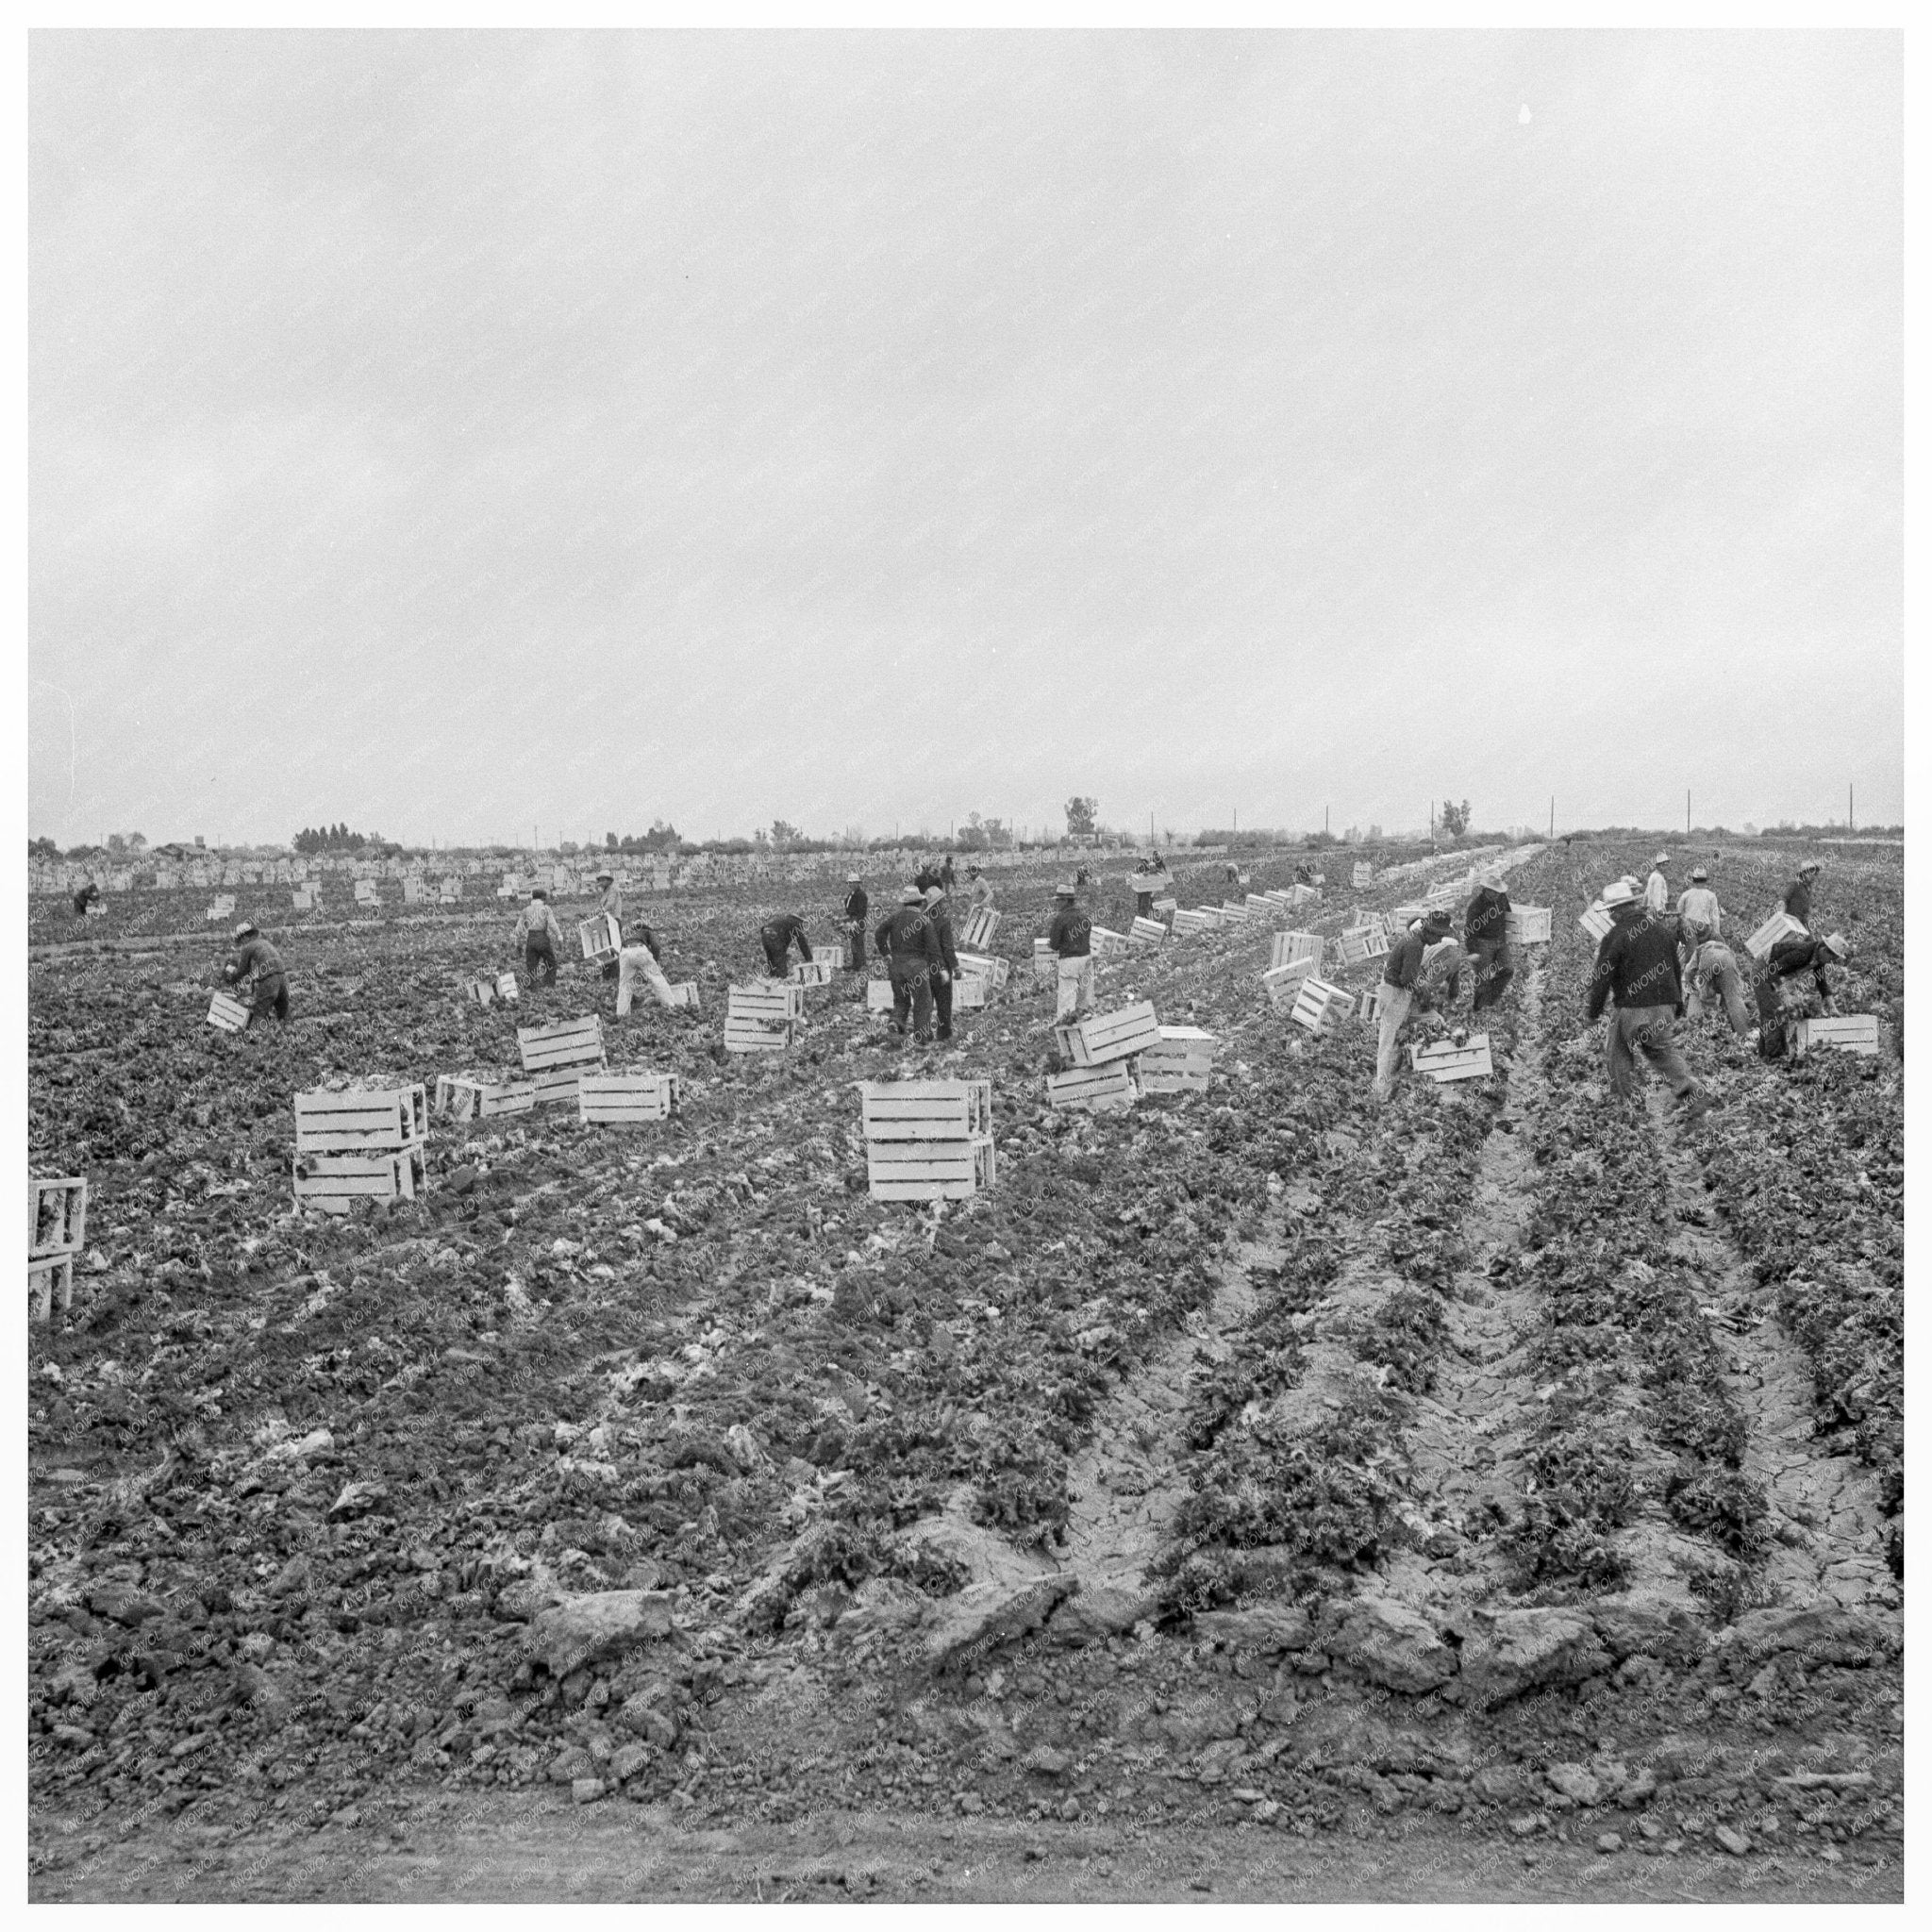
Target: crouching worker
[777,936]
[1637,966]
[641,960]
[1792,985]
[1403,992]
[256,960]
[537,928]
[1711,975]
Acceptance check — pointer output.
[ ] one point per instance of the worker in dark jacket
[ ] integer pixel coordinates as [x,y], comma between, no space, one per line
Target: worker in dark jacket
[256,960]
[1637,966]
[911,949]
[857,907]
[1071,939]
[1486,937]
[778,936]
[1403,992]
[84,898]
[1797,898]
[926,878]
[939,916]
[1782,993]
[948,878]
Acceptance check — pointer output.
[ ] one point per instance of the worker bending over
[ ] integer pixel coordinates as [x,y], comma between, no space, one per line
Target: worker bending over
[1486,937]
[778,936]
[1403,992]
[256,960]
[641,960]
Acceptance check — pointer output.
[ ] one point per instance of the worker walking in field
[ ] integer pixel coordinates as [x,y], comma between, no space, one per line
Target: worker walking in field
[1657,888]
[1403,992]
[1637,966]
[1071,939]
[939,916]
[948,878]
[778,936]
[540,934]
[911,948]
[256,960]
[641,962]
[1698,902]
[857,907]
[1486,937]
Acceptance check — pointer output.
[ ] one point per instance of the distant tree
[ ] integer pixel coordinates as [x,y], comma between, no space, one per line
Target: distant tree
[610,842]
[783,834]
[1315,840]
[1080,813]
[42,848]
[1454,818]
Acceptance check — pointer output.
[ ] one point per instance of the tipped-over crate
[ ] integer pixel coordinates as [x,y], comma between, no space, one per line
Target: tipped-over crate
[361,1121]
[625,1100]
[55,1217]
[927,1139]
[761,1018]
[1287,947]
[600,938]
[981,928]
[1283,984]
[1180,1062]
[812,973]
[995,968]
[1848,1032]
[970,990]
[1446,1060]
[49,1284]
[1092,1087]
[1105,943]
[461,1098]
[1320,1007]
[1357,944]
[1527,925]
[226,1013]
[1104,1037]
[1780,925]
[333,1183]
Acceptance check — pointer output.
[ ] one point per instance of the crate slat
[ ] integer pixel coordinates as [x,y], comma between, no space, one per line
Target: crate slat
[568,1043]
[1446,1062]
[1090,1086]
[55,1216]
[1848,1032]
[1104,1037]
[1780,925]
[226,1014]
[1288,948]
[49,1285]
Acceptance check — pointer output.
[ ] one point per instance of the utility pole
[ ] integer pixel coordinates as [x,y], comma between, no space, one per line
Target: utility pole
[1553,814]
[1432,825]
[1687,812]
[1849,819]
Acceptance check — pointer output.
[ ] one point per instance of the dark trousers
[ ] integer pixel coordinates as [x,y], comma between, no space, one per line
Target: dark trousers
[271,996]
[540,952]
[1143,905]
[776,963]
[942,1002]
[912,998]
[1494,970]
[854,948]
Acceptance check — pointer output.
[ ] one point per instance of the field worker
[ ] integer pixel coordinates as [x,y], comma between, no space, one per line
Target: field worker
[979,889]
[778,935]
[1143,883]
[940,916]
[1797,895]
[1401,991]
[1657,888]
[84,898]
[1071,939]
[1782,974]
[641,960]
[256,960]
[611,901]
[1637,965]
[1711,970]
[857,907]
[1485,937]
[926,878]
[911,949]
[1699,902]
[948,878]
[537,928]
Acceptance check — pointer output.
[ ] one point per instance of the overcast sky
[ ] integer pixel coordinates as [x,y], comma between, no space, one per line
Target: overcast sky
[456,434]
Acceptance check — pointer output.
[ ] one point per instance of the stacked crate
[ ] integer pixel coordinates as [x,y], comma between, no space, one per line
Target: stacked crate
[1849,1032]
[761,1018]
[1180,1062]
[461,1098]
[1444,1060]
[981,928]
[625,1100]
[1320,1007]
[555,1057]
[927,1139]
[1289,947]
[1106,1037]
[226,1013]
[363,1144]
[1147,932]
[1780,925]
[600,938]
[1527,925]
[55,1227]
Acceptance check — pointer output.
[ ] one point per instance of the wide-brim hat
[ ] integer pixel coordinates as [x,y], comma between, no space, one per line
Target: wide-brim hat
[1809,865]
[1618,893]
[934,894]
[910,896]
[1837,943]
[607,877]
[1698,875]
[851,879]
[246,926]
[1662,859]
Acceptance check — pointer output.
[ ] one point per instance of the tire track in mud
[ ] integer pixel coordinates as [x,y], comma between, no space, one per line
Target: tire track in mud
[1828,1533]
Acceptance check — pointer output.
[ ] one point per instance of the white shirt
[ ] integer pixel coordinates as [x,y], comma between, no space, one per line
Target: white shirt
[1700,903]
[1657,894]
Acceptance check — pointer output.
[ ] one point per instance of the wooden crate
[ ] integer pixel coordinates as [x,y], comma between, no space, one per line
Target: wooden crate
[1147,932]
[55,1217]
[1357,946]
[302,899]
[1233,914]
[921,1170]
[333,1183]
[970,990]
[981,928]
[49,1284]
[1444,1060]
[414,892]
[506,988]
[1283,984]
[450,893]
[567,1043]
[482,991]
[1780,925]
[1596,922]
[366,893]
[995,968]
[1196,919]
[878,995]
[1266,905]
[761,1018]
[684,993]
[600,938]
[623,1100]
[1374,996]
[1527,925]
[1277,896]
[1092,1087]
[1105,943]
[812,973]
[361,1121]
[1104,1037]
[95,908]
[459,1098]
[1404,916]
[221,908]
[1848,1032]
[1320,1007]
[1288,948]
[559,1085]
[226,1013]
[1181,1061]
[1363,876]
[1302,895]
[916,1109]
[1165,908]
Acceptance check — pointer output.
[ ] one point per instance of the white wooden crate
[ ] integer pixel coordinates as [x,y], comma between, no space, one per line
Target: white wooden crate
[1780,925]
[1320,1007]
[1597,922]
[1195,919]
[460,1098]
[600,938]
[483,991]
[1375,997]
[878,995]
[1233,914]
[1287,947]
[55,1217]
[1304,895]
[558,1087]
[623,1100]
[1283,984]
[95,908]
[981,928]
[360,1121]
[1404,916]
[49,1285]
[1105,943]
[1104,1037]
[1848,1032]
[333,1183]
[1357,946]
[1265,905]
[812,973]
[366,893]
[995,968]
[684,993]
[914,1109]
[450,893]
[1147,932]
[567,1043]
[302,899]
[1444,1060]
[1092,1087]
[226,1013]
[761,1018]
[1182,1061]
[1363,876]
[1527,925]
[222,906]
[414,892]
[1165,908]
[969,991]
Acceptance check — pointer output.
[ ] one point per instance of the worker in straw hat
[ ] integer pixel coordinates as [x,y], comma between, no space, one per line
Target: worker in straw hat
[1657,888]
[540,935]
[1784,995]
[256,960]
[1699,902]
[1070,938]
[857,907]
[911,948]
[1485,937]
[611,901]
[1403,991]
[1797,895]
[1637,966]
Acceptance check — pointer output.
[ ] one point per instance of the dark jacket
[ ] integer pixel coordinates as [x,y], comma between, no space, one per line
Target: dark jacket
[947,874]
[940,918]
[857,906]
[1637,965]
[1798,901]
[258,957]
[908,942]
[1800,953]
[642,936]
[779,933]
[1486,917]
[1070,935]
[1404,965]
[925,879]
